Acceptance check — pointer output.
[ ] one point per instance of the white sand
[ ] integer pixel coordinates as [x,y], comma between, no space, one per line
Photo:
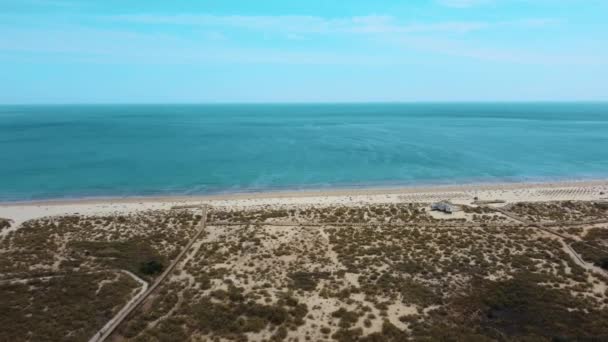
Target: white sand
[466,194]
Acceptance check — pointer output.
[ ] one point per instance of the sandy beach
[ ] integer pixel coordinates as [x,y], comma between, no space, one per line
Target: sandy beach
[19,212]
[370,262]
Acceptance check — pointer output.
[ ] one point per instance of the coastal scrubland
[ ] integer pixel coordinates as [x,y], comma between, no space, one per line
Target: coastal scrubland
[4,223]
[366,272]
[378,273]
[62,278]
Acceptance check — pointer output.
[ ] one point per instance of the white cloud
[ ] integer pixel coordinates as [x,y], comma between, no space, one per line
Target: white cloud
[463,3]
[300,24]
[44,3]
[109,46]
[497,53]
[209,39]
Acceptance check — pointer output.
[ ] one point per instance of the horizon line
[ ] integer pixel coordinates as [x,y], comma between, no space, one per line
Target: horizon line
[304,102]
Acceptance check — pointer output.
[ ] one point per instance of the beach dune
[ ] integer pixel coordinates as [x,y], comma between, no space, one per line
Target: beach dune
[19,212]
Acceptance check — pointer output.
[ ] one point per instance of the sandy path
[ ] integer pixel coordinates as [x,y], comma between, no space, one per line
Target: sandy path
[12,278]
[144,287]
[111,326]
[566,247]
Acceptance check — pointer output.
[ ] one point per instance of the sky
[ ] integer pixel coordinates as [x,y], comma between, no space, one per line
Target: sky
[187,51]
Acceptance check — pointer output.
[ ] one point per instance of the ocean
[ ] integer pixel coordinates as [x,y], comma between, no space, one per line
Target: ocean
[74,151]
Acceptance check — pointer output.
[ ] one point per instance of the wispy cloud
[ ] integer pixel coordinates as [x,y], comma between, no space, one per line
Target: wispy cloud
[494,53]
[463,3]
[301,24]
[298,25]
[210,40]
[112,46]
[45,3]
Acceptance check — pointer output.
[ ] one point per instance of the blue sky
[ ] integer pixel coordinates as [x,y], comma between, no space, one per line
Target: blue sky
[125,51]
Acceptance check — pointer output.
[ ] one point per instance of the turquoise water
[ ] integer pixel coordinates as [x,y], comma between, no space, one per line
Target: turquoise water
[83,151]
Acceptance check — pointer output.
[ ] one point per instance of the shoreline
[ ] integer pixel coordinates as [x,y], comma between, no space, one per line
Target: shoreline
[308,193]
[463,194]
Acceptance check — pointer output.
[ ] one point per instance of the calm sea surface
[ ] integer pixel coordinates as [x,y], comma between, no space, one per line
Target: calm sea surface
[81,151]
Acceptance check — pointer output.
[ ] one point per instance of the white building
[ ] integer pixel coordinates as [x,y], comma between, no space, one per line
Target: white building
[444,206]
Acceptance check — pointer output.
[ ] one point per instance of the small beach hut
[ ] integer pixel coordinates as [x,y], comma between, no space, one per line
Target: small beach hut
[444,206]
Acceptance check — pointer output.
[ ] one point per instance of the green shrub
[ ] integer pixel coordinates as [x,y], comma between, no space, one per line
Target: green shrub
[4,223]
[151,267]
[307,281]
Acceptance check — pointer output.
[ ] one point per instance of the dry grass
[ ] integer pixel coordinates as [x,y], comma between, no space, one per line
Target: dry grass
[377,281]
[4,223]
[62,308]
[59,276]
[367,273]
[562,212]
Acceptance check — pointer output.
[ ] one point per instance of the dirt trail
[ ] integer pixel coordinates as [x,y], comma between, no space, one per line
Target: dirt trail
[24,279]
[111,326]
[122,313]
[566,247]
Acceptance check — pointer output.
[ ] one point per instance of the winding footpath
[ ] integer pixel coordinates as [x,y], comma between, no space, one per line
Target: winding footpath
[123,311]
[111,326]
[562,238]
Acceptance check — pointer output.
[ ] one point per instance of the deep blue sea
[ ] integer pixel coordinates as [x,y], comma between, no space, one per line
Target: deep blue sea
[49,152]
